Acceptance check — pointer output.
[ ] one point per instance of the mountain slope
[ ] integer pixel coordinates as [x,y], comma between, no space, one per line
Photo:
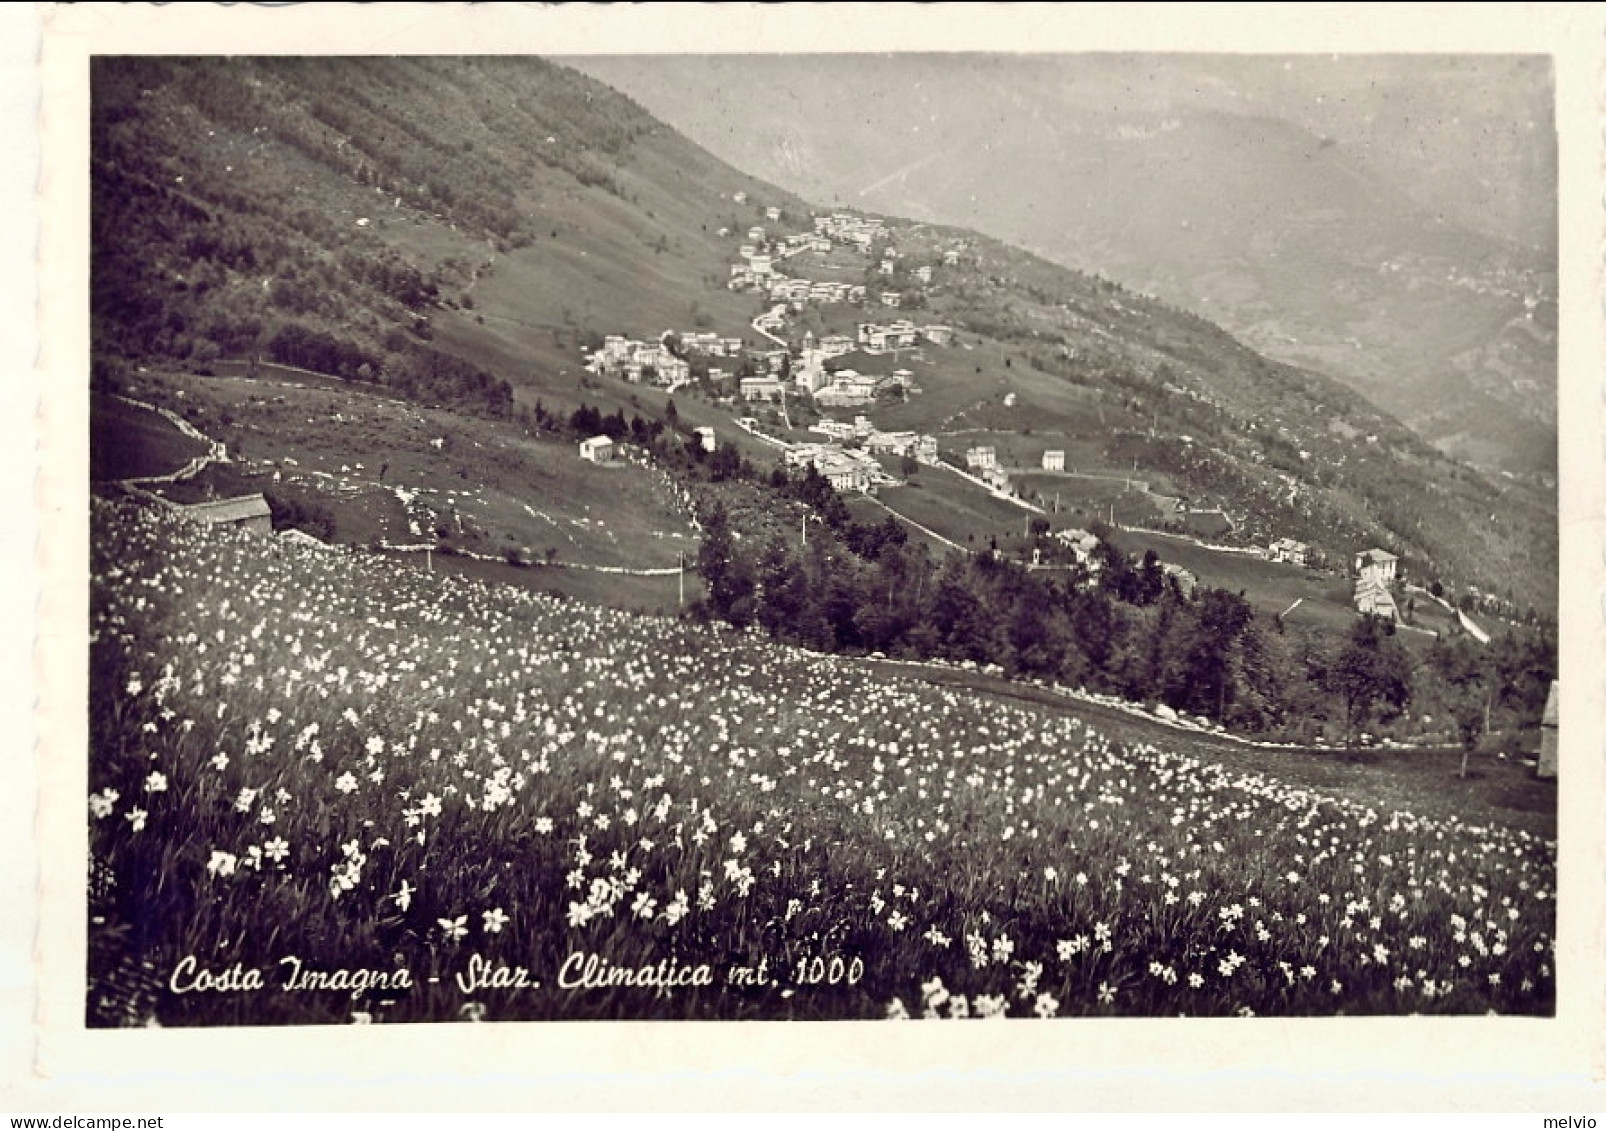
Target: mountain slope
[462,228]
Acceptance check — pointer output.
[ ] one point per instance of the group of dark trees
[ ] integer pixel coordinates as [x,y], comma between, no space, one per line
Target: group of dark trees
[823,580]
[1124,628]
[295,510]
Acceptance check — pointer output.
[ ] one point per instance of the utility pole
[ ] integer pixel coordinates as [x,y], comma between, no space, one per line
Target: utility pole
[805,529]
[680,573]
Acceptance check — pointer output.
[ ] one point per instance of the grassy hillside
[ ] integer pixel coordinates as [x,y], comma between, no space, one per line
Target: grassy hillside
[368,200]
[373,469]
[383,795]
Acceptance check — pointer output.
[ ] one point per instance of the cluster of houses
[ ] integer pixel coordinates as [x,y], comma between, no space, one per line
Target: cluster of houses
[874,337]
[982,462]
[845,388]
[848,387]
[1083,546]
[757,273]
[653,361]
[843,468]
[845,227]
[922,448]
[1288,550]
[796,293]
[603,449]
[760,254]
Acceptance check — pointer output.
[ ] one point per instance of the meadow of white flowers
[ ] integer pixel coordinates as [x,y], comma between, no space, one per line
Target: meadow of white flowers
[329,788]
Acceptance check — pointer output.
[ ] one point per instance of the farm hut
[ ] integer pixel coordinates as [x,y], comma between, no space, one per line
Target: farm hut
[1054,460]
[1549,728]
[706,435]
[301,538]
[598,449]
[248,512]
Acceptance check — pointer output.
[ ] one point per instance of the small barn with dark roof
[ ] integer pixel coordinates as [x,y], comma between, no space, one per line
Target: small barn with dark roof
[248,512]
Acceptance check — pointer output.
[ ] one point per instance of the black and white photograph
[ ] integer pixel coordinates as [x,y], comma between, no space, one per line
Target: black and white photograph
[820,513]
[829,536]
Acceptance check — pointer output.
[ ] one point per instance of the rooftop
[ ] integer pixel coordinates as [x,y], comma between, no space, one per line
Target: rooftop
[230,510]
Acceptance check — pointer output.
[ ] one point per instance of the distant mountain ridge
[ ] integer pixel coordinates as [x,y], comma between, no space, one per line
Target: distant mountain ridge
[1299,235]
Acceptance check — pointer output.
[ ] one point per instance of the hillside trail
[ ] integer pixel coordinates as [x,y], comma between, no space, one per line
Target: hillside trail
[215,453]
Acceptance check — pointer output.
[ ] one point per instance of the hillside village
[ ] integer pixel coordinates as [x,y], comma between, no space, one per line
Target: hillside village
[786,373]
[944,388]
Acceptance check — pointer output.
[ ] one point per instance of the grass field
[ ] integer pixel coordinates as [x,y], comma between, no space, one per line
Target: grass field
[655,594]
[871,512]
[1072,500]
[1424,781]
[1271,587]
[323,791]
[963,389]
[129,442]
[391,470]
[956,508]
[1325,599]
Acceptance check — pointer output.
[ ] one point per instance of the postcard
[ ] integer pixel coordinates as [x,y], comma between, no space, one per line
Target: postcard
[764,528]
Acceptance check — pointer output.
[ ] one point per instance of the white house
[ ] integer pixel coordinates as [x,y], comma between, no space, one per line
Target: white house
[833,428]
[598,449]
[981,457]
[761,388]
[1379,564]
[1054,461]
[1287,550]
[1373,598]
[1081,543]
[706,435]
